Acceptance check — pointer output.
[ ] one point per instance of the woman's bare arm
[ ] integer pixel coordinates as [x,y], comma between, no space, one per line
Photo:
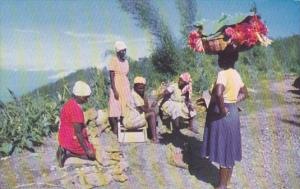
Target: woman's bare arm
[219,89]
[166,97]
[113,86]
[78,132]
[243,94]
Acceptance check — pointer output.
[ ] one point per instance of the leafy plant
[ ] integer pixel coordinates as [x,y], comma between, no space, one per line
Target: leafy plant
[25,121]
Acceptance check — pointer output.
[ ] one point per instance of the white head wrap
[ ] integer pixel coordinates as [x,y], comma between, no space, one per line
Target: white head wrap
[139,79]
[81,89]
[120,45]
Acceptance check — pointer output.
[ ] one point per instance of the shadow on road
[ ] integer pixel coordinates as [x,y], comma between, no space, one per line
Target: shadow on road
[296,92]
[200,167]
[292,122]
[293,102]
[297,83]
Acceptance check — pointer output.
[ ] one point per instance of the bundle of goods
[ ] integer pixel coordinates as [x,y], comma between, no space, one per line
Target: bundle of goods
[237,37]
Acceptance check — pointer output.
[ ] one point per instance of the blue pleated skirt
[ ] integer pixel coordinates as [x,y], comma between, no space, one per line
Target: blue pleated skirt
[222,136]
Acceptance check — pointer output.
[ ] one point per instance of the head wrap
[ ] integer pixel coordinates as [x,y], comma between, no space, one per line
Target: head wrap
[186,77]
[139,79]
[120,45]
[81,89]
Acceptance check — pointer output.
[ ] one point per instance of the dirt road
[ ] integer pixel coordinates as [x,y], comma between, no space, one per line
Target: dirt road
[270,141]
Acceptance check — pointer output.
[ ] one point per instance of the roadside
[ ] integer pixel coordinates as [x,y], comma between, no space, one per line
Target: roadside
[271,154]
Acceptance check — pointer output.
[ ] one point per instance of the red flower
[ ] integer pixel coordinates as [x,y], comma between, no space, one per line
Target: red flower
[245,33]
[242,35]
[258,26]
[192,39]
[195,41]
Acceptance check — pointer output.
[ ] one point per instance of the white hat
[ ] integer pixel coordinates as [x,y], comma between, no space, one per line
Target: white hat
[139,79]
[120,45]
[81,89]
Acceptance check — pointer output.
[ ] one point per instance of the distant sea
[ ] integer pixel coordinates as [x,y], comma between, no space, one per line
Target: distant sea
[24,81]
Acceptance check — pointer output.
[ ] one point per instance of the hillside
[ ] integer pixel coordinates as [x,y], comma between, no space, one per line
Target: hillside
[270,153]
[97,79]
[23,81]
[283,56]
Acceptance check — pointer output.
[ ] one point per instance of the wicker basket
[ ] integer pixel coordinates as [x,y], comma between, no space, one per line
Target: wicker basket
[214,45]
[219,44]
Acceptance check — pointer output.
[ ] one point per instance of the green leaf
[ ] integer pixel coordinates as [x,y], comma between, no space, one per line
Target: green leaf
[6,148]
[37,138]
[29,144]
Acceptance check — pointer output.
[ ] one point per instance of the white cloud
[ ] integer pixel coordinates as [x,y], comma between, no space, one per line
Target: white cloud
[60,75]
[90,35]
[106,41]
[27,31]
[112,40]
[102,41]
[138,40]
[70,51]
[40,69]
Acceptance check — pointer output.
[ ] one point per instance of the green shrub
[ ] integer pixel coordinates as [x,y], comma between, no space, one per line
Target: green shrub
[25,122]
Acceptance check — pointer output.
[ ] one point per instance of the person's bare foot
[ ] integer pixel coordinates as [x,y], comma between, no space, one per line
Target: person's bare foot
[155,141]
[61,156]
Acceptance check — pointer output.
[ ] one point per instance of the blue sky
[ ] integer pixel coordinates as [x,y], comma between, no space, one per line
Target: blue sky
[67,35]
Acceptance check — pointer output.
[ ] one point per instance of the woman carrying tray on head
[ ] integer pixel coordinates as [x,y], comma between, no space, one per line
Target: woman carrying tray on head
[222,137]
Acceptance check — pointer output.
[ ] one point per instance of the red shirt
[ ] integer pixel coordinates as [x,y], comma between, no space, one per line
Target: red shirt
[71,113]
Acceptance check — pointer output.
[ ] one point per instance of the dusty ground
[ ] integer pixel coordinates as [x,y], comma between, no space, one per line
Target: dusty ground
[271,154]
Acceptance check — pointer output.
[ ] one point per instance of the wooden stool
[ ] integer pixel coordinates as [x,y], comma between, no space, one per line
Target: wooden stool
[132,135]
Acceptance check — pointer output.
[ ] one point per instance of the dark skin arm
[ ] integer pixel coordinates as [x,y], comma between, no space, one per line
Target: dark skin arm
[78,132]
[153,104]
[144,108]
[113,86]
[243,94]
[187,101]
[219,89]
[167,96]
